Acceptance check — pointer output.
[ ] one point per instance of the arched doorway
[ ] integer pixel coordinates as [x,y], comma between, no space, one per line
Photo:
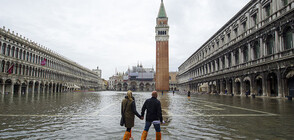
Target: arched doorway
[125,86]
[141,87]
[17,87]
[237,90]
[230,90]
[224,87]
[259,90]
[147,87]
[290,83]
[119,87]
[247,87]
[272,83]
[133,86]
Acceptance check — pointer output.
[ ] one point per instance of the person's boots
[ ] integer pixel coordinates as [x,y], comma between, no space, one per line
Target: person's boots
[144,135]
[158,135]
[127,135]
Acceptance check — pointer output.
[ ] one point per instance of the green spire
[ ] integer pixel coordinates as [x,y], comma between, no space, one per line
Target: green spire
[162,13]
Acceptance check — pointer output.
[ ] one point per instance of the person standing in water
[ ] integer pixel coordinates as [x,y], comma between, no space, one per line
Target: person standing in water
[154,116]
[189,94]
[128,109]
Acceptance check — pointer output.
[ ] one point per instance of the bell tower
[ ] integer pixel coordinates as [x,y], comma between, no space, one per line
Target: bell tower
[162,53]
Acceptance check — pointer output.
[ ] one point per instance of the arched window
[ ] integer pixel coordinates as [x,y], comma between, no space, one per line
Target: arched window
[12,51]
[237,57]
[30,57]
[288,39]
[8,50]
[20,66]
[270,43]
[4,48]
[28,54]
[245,53]
[24,55]
[3,66]
[16,53]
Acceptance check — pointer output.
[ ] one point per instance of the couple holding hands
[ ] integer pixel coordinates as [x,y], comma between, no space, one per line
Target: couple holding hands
[153,116]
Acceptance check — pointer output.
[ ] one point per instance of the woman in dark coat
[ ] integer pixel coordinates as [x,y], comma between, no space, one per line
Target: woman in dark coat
[128,104]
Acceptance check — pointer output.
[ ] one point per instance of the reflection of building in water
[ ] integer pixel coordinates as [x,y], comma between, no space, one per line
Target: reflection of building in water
[137,79]
[252,53]
[173,81]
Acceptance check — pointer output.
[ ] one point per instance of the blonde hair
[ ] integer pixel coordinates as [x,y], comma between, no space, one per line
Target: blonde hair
[129,94]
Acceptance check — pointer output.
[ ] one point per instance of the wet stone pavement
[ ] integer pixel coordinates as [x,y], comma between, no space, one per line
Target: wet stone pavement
[96,116]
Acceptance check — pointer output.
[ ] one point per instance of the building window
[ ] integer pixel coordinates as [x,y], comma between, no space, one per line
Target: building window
[8,50]
[236,32]
[254,19]
[288,39]
[285,2]
[244,25]
[267,9]
[229,37]
[237,57]
[4,48]
[256,49]
[224,62]
[245,54]
[270,45]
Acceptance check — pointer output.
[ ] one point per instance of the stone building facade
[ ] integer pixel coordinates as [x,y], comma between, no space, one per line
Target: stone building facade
[137,79]
[252,53]
[36,69]
[173,81]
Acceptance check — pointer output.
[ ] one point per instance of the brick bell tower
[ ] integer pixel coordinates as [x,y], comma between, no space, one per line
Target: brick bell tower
[162,57]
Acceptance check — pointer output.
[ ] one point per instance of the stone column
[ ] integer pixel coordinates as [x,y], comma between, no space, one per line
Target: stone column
[234,87]
[241,87]
[12,88]
[220,64]
[264,85]
[27,89]
[240,56]
[226,61]
[280,84]
[233,58]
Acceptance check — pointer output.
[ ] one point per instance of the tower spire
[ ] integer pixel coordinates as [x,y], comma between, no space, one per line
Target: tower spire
[162,12]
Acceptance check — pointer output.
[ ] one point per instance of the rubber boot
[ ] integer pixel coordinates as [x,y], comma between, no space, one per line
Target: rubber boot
[144,135]
[127,135]
[158,136]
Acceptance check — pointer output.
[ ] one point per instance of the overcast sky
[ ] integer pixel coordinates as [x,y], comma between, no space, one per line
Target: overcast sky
[117,34]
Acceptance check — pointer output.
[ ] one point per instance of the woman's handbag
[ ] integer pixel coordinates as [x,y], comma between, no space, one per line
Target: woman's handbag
[122,119]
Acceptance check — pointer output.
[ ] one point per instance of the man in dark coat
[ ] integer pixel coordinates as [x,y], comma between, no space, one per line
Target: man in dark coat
[153,116]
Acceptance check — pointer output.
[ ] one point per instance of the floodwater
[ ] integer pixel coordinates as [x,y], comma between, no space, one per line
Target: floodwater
[96,115]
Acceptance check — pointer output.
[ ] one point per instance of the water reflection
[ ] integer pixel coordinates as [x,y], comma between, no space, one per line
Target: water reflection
[96,116]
